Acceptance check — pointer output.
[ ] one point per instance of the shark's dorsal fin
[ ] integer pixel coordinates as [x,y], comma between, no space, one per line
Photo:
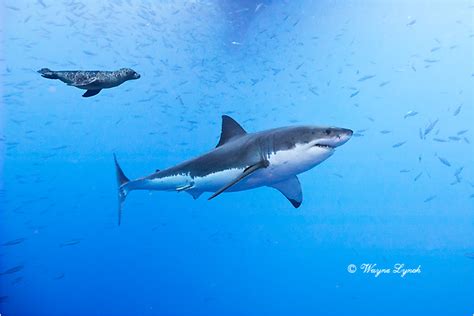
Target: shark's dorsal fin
[230,130]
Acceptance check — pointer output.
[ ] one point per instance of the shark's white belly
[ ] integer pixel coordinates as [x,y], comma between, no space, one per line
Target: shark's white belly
[282,165]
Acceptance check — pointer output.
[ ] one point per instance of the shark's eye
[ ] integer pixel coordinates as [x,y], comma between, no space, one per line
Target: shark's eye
[328,131]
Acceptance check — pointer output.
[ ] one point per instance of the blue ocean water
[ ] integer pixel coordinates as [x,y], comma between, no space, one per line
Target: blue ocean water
[401,191]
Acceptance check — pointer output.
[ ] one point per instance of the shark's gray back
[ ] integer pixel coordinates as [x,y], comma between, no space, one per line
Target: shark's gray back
[241,152]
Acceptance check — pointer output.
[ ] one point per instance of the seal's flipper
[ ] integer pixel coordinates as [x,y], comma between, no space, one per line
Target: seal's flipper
[248,171]
[291,189]
[91,93]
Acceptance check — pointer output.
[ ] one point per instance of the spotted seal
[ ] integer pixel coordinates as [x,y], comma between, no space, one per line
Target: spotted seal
[92,81]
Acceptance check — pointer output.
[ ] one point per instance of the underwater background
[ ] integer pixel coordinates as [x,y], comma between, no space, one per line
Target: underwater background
[398,73]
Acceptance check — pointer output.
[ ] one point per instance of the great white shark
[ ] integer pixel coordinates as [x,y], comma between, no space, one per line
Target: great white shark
[243,161]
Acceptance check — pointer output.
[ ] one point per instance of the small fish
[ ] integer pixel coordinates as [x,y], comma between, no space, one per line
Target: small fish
[410,114]
[385,131]
[462,132]
[12,8]
[457,111]
[458,171]
[399,144]
[469,255]
[59,276]
[430,198]
[355,93]
[440,140]
[314,91]
[411,22]
[454,138]
[364,78]
[404,171]
[180,100]
[59,147]
[417,176]
[70,243]
[430,127]
[89,53]
[14,242]
[431,61]
[384,83]
[12,270]
[444,161]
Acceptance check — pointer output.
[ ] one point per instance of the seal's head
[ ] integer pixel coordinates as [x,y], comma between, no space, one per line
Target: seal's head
[129,74]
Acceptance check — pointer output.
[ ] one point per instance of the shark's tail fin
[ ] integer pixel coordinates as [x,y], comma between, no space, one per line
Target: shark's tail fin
[122,182]
[48,73]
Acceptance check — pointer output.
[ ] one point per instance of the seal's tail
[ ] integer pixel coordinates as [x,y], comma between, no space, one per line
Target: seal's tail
[123,190]
[48,73]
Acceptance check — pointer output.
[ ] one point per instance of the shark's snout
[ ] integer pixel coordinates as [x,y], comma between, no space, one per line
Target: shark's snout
[343,135]
[333,137]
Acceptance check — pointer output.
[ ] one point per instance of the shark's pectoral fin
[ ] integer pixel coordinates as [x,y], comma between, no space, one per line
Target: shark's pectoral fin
[248,171]
[91,93]
[291,189]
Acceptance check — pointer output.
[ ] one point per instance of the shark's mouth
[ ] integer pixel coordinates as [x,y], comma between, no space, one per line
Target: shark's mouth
[324,146]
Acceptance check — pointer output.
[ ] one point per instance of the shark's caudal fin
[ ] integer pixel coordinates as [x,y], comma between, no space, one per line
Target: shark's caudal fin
[122,182]
[48,73]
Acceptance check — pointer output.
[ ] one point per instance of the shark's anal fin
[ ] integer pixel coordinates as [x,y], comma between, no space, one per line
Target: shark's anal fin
[194,193]
[248,171]
[91,93]
[291,189]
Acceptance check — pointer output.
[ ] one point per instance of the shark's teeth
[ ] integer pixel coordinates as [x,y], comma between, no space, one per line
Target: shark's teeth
[323,146]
